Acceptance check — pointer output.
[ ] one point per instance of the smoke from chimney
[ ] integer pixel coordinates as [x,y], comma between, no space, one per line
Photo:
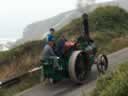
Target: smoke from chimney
[85,5]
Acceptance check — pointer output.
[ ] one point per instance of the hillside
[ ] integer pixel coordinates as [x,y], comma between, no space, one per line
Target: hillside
[20,59]
[107,26]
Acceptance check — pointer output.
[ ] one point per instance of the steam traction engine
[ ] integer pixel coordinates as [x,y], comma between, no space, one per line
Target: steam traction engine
[77,60]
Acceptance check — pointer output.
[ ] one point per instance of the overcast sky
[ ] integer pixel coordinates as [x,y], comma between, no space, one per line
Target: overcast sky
[16,14]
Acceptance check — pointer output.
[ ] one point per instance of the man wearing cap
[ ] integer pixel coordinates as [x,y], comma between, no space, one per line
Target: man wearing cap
[51,36]
[48,50]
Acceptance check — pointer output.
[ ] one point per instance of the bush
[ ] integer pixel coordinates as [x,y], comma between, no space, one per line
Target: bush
[113,84]
[109,19]
[22,57]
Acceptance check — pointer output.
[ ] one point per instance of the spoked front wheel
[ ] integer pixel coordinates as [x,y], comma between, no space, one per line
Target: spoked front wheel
[102,63]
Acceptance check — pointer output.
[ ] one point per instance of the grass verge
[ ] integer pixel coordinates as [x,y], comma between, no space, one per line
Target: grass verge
[114,83]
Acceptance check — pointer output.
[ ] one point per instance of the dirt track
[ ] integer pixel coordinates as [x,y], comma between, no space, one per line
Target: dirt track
[68,88]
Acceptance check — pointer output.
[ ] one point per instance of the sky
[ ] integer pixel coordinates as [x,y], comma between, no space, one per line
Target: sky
[15,15]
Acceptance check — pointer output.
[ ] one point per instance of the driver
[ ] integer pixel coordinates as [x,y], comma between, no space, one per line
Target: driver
[60,46]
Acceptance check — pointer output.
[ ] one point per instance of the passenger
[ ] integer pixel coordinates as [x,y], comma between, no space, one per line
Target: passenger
[60,46]
[49,56]
[48,50]
[51,35]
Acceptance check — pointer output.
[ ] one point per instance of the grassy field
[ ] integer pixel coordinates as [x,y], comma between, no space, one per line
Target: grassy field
[108,25]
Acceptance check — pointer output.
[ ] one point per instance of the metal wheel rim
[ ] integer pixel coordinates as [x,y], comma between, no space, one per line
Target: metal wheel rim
[72,68]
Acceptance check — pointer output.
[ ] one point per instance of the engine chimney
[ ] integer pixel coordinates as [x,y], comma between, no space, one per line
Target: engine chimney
[86,26]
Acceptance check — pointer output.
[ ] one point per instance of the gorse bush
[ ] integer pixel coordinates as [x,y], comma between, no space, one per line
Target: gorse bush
[113,84]
[109,19]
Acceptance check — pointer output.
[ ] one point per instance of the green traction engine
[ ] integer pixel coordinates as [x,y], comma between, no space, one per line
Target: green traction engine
[77,60]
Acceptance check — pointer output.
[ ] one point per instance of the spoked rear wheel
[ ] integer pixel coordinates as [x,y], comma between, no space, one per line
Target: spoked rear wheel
[102,63]
[79,66]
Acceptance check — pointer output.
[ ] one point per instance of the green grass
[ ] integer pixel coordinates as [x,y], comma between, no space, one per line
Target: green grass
[107,42]
[109,19]
[114,83]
